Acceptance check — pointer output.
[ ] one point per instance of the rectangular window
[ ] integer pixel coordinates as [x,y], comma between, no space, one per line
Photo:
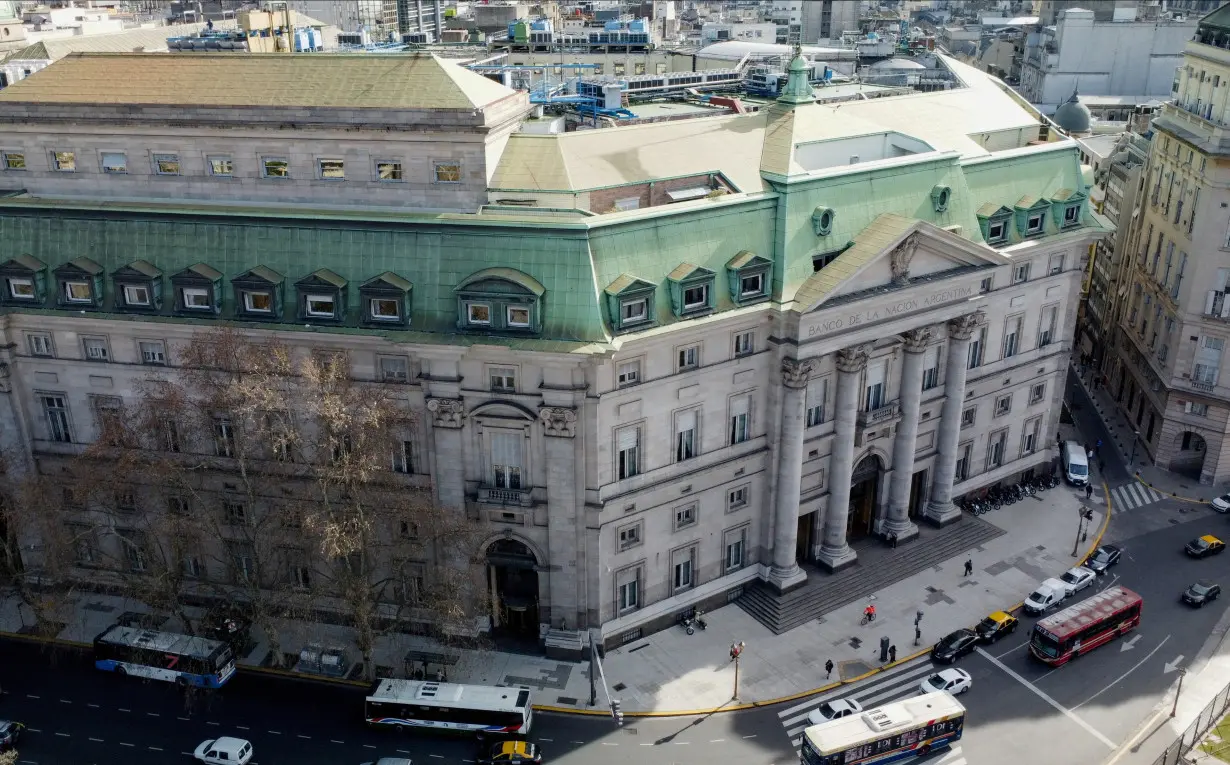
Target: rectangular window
[258,302]
[735,543]
[696,297]
[385,309]
[321,306]
[40,345]
[738,498]
[1020,273]
[685,516]
[1037,393]
[931,367]
[1003,405]
[974,356]
[517,316]
[275,167]
[873,394]
[224,438]
[630,536]
[628,373]
[1056,264]
[447,172]
[745,343]
[995,449]
[478,313]
[243,562]
[133,543]
[21,288]
[1046,327]
[1207,366]
[394,369]
[96,349]
[299,573]
[685,435]
[627,443]
[153,352]
[969,416]
[1029,437]
[817,396]
[1072,215]
[389,170]
[13,160]
[997,232]
[503,379]
[683,564]
[1012,336]
[56,410]
[221,166]
[78,292]
[689,358]
[136,295]
[402,461]
[331,169]
[627,203]
[966,450]
[985,285]
[1034,224]
[114,162]
[1200,410]
[628,586]
[166,164]
[633,311]
[751,285]
[506,459]
[63,161]
[740,419]
[235,513]
[196,299]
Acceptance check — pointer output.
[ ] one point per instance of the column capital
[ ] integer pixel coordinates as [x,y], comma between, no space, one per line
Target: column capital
[852,359]
[796,372]
[447,412]
[962,327]
[558,421]
[916,339]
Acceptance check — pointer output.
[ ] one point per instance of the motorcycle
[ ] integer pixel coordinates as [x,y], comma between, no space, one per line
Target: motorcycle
[686,619]
[697,617]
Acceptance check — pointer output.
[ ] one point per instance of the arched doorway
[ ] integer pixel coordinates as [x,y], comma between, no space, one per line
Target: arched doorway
[512,584]
[864,491]
[1188,458]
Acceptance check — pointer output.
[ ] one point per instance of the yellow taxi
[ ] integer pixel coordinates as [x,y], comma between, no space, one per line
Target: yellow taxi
[1203,546]
[510,752]
[995,626]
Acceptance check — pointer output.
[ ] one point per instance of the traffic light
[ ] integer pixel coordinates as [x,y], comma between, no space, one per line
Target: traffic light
[617,711]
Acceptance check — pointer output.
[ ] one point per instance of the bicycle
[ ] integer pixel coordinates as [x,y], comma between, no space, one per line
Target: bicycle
[867,619]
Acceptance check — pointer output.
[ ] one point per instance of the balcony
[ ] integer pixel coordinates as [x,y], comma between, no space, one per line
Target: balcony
[874,417]
[1200,386]
[493,496]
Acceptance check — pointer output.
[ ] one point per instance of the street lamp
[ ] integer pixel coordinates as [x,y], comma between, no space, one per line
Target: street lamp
[736,651]
[1175,708]
[1086,514]
[1132,459]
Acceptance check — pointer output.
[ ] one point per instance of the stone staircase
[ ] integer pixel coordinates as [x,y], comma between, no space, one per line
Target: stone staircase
[877,568]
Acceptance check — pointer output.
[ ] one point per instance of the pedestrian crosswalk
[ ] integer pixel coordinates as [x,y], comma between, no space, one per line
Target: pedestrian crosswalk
[891,685]
[1132,495]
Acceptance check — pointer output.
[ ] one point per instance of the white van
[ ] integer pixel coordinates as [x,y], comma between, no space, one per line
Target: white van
[1049,594]
[1075,464]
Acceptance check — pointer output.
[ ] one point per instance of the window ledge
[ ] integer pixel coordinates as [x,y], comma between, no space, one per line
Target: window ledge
[492,496]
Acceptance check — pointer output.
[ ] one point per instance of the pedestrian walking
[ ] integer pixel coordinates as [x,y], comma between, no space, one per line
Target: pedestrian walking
[969,566]
[1088,491]
[1098,447]
[892,539]
[828,669]
[917,634]
[892,653]
[1058,438]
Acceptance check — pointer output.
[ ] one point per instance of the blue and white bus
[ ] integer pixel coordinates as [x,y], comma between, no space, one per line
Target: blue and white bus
[167,656]
[907,729]
[449,706]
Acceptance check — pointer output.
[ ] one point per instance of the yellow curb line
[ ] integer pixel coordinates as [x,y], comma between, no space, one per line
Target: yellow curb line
[1181,498]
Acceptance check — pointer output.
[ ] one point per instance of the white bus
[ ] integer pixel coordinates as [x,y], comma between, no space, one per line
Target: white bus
[905,729]
[167,656]
[449,706]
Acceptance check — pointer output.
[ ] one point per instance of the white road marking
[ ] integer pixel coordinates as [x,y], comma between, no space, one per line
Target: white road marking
[125,710]
[545,739]
[92,706]
[814,701]
[437,756]
[368,746]
[608,743]
[153,714]
[35,730]
[303,736]
[124,744]
[646,744]
[892,686]
[276,732]
[32,696]
[1038,691]
[1010,650]
[211,722]
[681,743]
[402,751]
[578,742]
[185,719]
[98,740]
[243,727]
[1125,674]
[751,736]
[342,742]
[65,701]
[716,740]
[62,735]
[155,749]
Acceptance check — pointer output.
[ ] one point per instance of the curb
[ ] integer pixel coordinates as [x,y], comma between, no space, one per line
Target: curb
[1181,498]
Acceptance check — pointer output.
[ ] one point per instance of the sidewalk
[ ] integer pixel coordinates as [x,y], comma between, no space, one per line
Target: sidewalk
[672,672]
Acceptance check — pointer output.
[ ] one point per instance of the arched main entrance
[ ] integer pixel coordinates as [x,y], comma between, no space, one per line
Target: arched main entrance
[512,584]
[864,491]
[1188,458]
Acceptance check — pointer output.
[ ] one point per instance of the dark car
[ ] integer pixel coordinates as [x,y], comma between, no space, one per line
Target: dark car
[1203,546]
[511,751]
[954,646]
[1201,592]
[996,626]
[9,733]
[1103,558]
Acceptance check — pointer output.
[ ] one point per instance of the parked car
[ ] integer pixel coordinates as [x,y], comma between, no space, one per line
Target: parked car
[955,681]
[996,626]
[1221,504]
[831,710]
[224,751]
[1201,592]
[9,733]
[508,752]
[1204,546]
[954,645]
[1103,558]
[1077,579]
[1049,594]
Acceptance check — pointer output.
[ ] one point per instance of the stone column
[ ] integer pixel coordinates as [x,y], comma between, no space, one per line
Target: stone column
[449,477]
[835,553]
[785,572]
[907,435]
[940,509]
[563,514]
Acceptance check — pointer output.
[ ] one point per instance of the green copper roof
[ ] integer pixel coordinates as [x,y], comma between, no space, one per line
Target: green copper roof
[798,90]
[743,258]
[508,274]
[326,276]
[146,268]
[391,279]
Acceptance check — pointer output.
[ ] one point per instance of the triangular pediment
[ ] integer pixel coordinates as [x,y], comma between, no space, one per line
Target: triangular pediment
[890,254]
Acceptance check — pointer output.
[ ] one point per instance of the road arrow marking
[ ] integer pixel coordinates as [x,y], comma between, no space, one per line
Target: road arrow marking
[1128,645]
[1171,666]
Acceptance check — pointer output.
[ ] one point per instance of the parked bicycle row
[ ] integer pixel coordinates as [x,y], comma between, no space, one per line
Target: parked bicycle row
[999,495]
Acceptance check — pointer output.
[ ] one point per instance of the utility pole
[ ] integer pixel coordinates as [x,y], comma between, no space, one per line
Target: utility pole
[1085,515]
[1132,459]
[736,652]
[1175,707]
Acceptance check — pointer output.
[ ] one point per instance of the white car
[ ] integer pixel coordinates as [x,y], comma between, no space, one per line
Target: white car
[1077,579]
[224,751]
[1221,504]
[953,680]
[1049,594]
[831,710]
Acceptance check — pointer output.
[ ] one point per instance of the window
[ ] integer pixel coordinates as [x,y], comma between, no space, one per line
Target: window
[817,396]
[628,373]
[1046,327]
[1037,393]
[221,166]
[113,162]
[685,435]
[447,172]
[170,436]
[966,450]
[299,573]
[136,295]
[13,160]
[689,358]
[627,444]
[385,309]
[1020,273]
[402,459]
[224,438]
[1071,215]
[85,549]
[1207,366]
[96,349]
[177,505]
[389,170]
[745,343]
[321,306]
[997,232]
[630,536]
[1003,405]
[1029,436]
[166,164]
[40,345]
[1200,410]
[331,169]
[77,292]
[737,498]
[931,367]
[969,416]
[235,513]
[152,352]
[628,589]
[740,419]
[394,369]
[506,459]
[478,313]
[1055,265]
[685,516]
[735,544]
[683,568]
[275,167]
[134,546]
[408,530]
[517,316]
[1033,225]
[633,311]
[984,286]
[56,410]
[257,302]
[1012,336]
[995,449]
[696,297]
[751,285]
[873,394]
[196,299]
[243,562]
[63,161]
[974,356]
[503,379]
[22,288]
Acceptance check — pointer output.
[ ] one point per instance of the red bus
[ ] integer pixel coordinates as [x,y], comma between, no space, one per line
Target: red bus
[1083,627]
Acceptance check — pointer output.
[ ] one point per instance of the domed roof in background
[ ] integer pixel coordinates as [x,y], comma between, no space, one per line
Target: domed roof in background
[897,63]
[1073,116]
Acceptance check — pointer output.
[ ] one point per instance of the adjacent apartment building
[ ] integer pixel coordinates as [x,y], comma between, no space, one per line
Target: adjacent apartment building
[657,366]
